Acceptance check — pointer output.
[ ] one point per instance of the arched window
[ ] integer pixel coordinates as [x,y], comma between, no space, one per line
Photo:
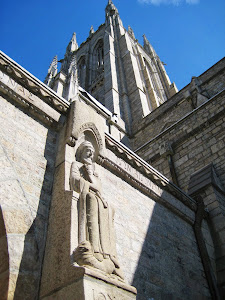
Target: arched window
[152,74]
[98,59]
[156,81]
[82,71]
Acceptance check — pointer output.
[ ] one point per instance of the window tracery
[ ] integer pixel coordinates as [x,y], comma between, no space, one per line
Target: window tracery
[98,59]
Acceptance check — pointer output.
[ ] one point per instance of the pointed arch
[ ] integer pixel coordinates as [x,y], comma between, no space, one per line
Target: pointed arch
[90,132]
[156,82]
[81,66]
[98,59]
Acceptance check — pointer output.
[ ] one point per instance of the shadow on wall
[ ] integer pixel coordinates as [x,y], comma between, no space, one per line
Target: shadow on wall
[28,282]
[4,260]
[169,265]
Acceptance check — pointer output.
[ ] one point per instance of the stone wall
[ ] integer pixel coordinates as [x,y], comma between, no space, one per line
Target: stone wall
[154,221]
[186,145]
[28,143]
[196,141]
[155,240]
[27,168]
[177,107]
[157,249]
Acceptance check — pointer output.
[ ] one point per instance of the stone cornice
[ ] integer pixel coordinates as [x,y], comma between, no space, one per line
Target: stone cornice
[28,101]
[32,84]
[148,171]
[179,97]
[190,114]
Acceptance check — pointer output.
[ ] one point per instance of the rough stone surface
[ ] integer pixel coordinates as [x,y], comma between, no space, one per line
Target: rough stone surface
[197,141]
[159,248]
[89,288]
[27,151]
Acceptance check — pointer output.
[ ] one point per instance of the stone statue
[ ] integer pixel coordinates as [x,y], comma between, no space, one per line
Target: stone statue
[96,237]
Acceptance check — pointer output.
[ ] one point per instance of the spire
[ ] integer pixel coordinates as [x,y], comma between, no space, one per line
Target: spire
[72,79]
[148,47]
[131,32]
[146,42]
[72,46]
[52,70]
[53,66]
[73,66]
[111,9]
[91,30]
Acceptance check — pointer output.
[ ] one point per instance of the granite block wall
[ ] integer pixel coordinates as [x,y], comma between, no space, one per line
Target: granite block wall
[27,155]
[156,248]
[196,140]
[177,107]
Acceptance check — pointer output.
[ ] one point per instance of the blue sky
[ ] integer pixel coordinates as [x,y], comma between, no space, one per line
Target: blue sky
[188,35]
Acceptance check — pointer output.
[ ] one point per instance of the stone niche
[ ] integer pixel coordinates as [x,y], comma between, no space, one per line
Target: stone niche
[80,258]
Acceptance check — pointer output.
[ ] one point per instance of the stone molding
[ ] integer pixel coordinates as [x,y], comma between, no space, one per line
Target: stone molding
[109,279]
[146,178]
[178,98]
[35,87]
[104,282]
[29,101]
[185,135]
[202,178]
[210,276]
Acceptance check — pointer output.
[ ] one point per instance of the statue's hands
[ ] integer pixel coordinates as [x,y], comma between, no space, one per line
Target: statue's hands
[93,187]
[95,184]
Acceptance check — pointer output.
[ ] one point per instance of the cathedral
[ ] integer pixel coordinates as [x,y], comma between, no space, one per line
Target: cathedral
[112,181]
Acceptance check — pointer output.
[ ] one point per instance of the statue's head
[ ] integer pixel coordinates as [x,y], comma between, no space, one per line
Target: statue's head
[86,151]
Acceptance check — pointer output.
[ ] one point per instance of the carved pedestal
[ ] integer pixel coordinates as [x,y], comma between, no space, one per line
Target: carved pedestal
[92,285]
[80,255]
[63,279]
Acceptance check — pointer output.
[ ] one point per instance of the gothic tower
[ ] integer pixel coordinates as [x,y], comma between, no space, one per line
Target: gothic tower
[128,79]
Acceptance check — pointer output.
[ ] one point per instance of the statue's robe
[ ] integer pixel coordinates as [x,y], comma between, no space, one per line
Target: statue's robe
[96,222]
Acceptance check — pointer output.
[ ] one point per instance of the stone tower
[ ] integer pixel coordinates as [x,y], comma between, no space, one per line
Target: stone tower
[84,217]
[128,79]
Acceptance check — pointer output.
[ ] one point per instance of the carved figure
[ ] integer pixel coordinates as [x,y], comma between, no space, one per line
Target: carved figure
[96,237]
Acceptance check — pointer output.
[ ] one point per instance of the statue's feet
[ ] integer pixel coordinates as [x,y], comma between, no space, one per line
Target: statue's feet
[99,256]
[118,273]
[84,256]
[115,261]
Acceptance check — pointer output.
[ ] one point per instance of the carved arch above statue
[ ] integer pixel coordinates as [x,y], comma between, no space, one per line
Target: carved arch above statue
[89,132]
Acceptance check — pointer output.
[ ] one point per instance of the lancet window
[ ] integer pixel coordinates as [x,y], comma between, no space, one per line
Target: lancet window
[156,82]
[82,71]
[98,59]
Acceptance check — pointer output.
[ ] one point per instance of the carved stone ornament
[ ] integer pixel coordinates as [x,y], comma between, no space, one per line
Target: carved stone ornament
[29,82]
[96,236]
